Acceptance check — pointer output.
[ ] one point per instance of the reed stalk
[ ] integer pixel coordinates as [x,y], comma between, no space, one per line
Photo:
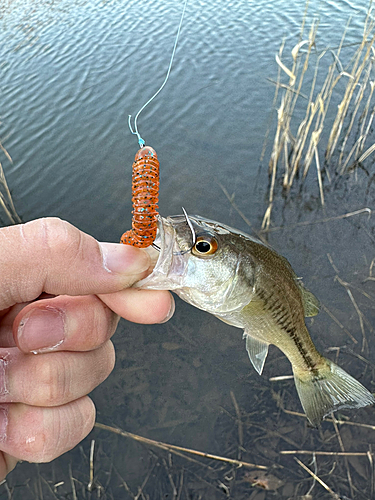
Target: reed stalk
[6,201]
[309,91]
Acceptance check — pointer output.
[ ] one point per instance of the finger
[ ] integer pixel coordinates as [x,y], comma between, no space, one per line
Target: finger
[7,464]
[84,323]
[64,323]
[42,434]
[50,255]
[52,379]
[7,317]
[6,325]
[141,306]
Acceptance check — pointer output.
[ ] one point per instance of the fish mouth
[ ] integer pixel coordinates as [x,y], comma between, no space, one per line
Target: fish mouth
[168,262]
[215,289]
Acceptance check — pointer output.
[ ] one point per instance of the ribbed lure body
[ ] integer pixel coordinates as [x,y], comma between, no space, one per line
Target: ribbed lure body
[145,189]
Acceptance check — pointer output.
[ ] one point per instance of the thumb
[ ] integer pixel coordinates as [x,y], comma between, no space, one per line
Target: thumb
[50,255]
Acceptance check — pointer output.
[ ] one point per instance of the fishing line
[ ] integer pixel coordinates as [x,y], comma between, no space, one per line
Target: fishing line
[134,130]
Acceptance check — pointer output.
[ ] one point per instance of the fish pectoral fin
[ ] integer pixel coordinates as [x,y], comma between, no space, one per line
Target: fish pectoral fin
[311,304]
[257,351]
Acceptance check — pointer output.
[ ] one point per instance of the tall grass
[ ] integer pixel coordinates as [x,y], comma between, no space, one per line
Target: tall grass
[6,201]
[313,78]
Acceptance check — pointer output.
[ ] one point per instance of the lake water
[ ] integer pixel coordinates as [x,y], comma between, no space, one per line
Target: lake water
[71,73]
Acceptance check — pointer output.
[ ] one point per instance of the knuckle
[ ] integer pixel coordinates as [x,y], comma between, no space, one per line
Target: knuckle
[48,229]
[99,364]
[103,322]
[51,388]
[67,426]
[57,236]
[31,250]
[47,433]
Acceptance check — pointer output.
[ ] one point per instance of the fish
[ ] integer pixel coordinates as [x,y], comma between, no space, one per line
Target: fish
[246,284]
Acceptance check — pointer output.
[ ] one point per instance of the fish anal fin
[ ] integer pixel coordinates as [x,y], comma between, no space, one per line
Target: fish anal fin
[257,351]
[328,390]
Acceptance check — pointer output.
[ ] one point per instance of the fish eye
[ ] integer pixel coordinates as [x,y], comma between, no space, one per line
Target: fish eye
[205,245]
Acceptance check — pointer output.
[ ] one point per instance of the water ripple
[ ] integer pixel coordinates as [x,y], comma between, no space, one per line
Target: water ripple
[73,70]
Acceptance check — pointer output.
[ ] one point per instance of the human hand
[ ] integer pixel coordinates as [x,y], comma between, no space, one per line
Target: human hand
[60,296]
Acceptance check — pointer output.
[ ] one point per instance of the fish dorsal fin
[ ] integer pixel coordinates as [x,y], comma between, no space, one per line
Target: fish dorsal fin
[257,351]
[311,304]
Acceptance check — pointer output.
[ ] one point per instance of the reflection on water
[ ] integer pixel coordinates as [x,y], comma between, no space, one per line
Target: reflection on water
[71,72]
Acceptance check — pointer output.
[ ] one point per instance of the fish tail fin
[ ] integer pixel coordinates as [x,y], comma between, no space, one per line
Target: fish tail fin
[328,389]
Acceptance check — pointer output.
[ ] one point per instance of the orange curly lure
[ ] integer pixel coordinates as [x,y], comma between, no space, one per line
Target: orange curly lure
[145,189]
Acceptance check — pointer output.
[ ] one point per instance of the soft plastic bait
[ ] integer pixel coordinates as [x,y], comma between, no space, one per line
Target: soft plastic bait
[145,189]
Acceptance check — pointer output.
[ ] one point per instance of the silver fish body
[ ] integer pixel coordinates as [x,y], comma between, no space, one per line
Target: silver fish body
[247,284]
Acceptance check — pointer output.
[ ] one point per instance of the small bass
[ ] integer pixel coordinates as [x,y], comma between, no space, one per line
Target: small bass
[245,283]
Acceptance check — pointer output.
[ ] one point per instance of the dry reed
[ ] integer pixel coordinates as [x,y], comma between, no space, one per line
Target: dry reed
[6,201]
[297,141]
[178,450]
